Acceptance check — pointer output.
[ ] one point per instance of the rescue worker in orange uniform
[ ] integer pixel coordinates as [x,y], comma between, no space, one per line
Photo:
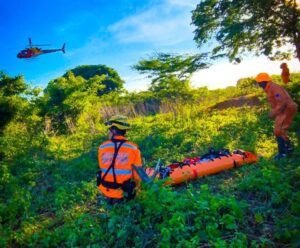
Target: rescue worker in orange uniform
[285,73]
[283,110]
[116,179]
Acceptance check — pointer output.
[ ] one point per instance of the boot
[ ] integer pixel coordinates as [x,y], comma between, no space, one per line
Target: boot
[281,148]
[279,156]
[289,148]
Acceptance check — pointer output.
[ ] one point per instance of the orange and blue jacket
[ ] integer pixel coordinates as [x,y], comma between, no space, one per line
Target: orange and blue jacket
[128,155]
[278,98]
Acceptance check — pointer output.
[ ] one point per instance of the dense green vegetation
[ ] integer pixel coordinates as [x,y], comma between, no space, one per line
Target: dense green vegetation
[48,145]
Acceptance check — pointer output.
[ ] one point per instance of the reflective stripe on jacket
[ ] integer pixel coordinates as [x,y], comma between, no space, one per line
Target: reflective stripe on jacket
[278,98]
[128,155]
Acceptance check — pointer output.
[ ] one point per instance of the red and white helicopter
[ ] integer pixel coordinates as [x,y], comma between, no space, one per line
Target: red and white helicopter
[31,51]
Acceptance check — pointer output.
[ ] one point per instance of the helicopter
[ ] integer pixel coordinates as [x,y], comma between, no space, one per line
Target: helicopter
[31,51]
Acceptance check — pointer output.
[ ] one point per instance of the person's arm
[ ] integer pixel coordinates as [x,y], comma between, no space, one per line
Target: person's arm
[143,175]
[137,162]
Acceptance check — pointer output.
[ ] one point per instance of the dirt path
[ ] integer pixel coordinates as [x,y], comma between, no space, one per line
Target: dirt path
[238,102]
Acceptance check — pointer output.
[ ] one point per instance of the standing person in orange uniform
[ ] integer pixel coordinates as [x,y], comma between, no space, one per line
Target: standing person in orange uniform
[283,110]
[117,180]
[285,73]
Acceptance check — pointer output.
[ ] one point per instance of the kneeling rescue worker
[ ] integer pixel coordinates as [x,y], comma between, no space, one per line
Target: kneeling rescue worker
[283,110]
[117,179]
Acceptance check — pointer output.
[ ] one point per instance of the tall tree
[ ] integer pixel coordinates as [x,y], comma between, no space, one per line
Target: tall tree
[164,69]
[263,27]
[65,97]
[111,81]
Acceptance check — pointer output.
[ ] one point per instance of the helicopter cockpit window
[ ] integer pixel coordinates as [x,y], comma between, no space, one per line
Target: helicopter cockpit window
[24,52]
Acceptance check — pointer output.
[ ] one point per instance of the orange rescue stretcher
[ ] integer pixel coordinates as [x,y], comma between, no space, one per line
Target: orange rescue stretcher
[207,164]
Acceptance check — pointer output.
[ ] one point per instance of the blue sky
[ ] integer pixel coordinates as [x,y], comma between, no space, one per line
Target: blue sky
[117,33]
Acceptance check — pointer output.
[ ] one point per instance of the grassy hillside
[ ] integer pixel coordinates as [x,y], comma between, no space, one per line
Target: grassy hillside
[49,197]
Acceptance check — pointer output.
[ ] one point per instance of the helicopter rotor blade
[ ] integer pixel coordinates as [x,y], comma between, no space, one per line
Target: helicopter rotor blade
[42,45]
[38,45]
[30,43]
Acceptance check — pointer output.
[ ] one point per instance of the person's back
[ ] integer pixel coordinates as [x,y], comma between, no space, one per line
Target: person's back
[116,157]
[127,156]
[278,97]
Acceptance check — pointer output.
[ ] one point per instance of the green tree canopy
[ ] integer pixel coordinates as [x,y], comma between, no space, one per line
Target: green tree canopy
[11,85]
[164,65]
[171,72]
[111,81]
[65,97]
[263,27]
[10,100]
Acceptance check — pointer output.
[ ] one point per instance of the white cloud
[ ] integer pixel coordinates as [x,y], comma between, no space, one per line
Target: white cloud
[183,3]
[165,24]
[226,74]
[135,82]
[160,26]
[90,51]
